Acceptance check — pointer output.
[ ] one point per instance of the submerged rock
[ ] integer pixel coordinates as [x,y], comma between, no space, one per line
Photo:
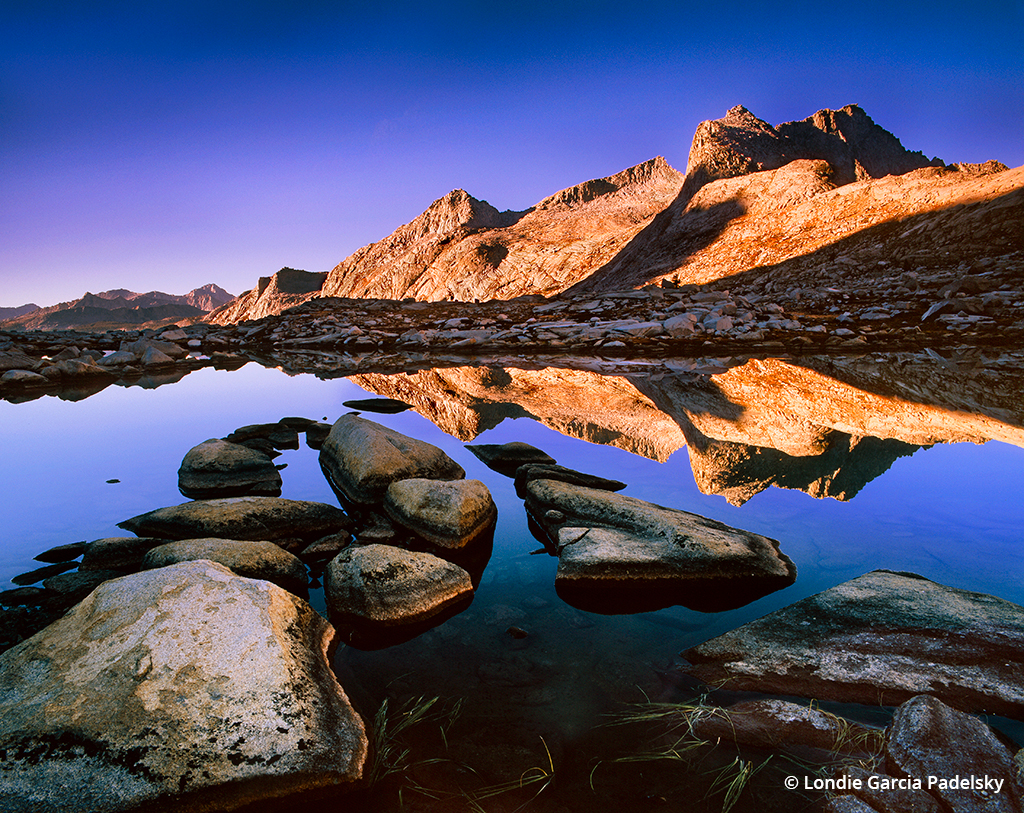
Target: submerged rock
[621,554]
[183,688]
[879,639]
[217,468]
[551,472]
[781,725]
[449,514]
[361,459]
[271,518]
[254,559]
[385,406]
[378,595]
[506,458]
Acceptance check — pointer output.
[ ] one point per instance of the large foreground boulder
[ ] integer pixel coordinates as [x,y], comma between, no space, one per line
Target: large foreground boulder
[270,518]
[361,459]
[183,688]
[217,468]
[379,595]
[254,559]
[621,554]
[449,514]
[878,639]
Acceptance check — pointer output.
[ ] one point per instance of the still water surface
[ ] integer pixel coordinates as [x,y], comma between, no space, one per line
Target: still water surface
[952,513]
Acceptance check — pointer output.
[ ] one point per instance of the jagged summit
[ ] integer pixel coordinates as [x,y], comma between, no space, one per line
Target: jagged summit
[854,146]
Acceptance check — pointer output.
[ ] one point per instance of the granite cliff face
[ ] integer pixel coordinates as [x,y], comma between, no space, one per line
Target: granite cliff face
[271,295]
[463,248]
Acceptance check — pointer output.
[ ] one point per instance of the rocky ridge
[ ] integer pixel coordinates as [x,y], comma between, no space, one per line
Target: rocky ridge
[753,196]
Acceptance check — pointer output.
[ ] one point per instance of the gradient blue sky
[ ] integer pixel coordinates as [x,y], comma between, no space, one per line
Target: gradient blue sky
[164,145]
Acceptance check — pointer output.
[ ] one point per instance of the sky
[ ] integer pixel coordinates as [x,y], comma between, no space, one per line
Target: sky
[165,145]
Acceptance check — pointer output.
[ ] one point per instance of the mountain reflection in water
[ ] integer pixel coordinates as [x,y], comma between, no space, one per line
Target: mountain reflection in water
[825,426]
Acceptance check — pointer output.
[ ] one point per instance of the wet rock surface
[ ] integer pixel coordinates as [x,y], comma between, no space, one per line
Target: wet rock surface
[378,595]
[240,518]
[618,553]
[361,459]
[253,559]
[879,639]
[111,708]
[449,514]
[217,468]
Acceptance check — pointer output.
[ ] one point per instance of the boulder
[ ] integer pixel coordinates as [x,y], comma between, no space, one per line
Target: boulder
[621,554]
[70,588]
[152,357]
[41,573]
[123,553]
[361,459]
[140,347]
[23,378]
[270,518]
[62,553]
[927,739]
[551,472]
[182,688]
[254,559]
[879,639]
[506,458]
[119,358]
[449,514]
[217,468]
[379,594]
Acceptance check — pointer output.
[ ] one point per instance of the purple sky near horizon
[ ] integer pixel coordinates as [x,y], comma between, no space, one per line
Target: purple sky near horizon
[170,144]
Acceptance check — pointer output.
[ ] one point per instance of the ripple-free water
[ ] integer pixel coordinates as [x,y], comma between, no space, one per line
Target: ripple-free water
[952,513]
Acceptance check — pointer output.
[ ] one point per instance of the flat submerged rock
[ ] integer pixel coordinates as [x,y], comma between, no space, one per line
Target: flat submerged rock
[879,639]
[182,688]
[240,518]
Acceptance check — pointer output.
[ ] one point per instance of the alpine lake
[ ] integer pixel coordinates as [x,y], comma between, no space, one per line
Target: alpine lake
[523,701]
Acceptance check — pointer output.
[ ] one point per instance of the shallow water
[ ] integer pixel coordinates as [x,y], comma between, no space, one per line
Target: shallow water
[952,513]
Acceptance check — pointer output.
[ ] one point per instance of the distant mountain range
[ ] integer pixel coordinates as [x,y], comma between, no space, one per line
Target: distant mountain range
[117,308]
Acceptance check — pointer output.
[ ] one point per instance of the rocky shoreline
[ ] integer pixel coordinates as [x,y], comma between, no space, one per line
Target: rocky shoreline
[945,309]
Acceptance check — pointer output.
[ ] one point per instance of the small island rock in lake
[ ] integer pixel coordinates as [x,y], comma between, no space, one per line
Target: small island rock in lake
[379,595]
[361,459]
[271,518]
[253,559]
[621,554]
[217,468]
[450,514]
[181,688]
